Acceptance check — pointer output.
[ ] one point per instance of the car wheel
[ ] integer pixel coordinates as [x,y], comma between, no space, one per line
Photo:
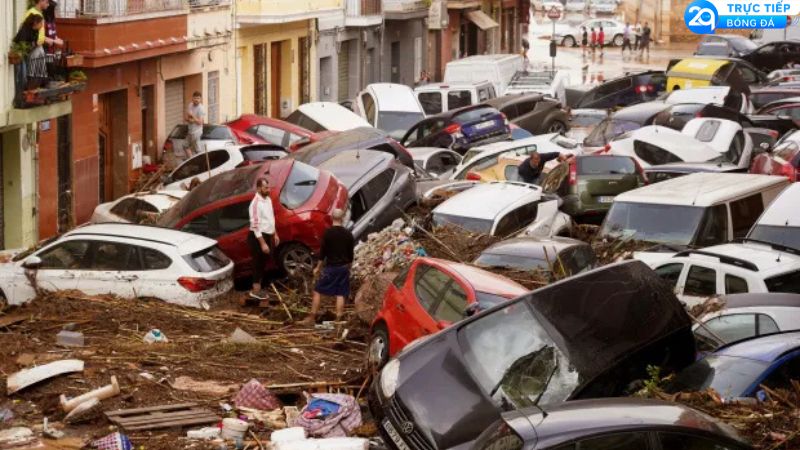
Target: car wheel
[618,40]
[378,351]
[568,41]
[557,126]
[296,260]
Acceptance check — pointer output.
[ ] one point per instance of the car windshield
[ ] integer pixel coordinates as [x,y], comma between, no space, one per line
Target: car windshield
[515,262]
[776,234]
[666,224]
[529,370]
[713,49]
[585,120]
[607,130]
[606,165]
[299,186]
[483,226]
[397,123]
[743,45]
[728,375]
[471,153]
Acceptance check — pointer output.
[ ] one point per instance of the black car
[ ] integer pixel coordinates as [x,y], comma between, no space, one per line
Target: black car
[459,129]
[588,336]
[357,138]
[610,424]
[774,56]
[626,119]
[533,112]
[624,91]
[728,45]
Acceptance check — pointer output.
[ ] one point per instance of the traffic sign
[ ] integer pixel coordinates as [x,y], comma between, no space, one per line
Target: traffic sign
[554,13]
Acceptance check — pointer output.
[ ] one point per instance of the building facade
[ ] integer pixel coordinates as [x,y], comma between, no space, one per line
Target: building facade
[405,41]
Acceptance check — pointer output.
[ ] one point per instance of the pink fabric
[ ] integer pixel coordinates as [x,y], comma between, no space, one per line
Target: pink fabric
[114,441]
[255,395]
[340,424]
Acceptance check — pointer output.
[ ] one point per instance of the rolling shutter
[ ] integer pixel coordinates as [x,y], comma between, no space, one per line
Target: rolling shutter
[173,104]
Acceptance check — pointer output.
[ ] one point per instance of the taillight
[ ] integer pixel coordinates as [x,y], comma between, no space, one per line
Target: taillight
[573,173]
[773,133]
[644,88]
[194,284]
[453,129]
[474,176]
[606,148]
[789,172]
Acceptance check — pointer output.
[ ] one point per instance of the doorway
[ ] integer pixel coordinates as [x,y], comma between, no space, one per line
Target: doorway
[148,122]
[64,156]
[275,79]
[105,188]
[112,145]
[468,39]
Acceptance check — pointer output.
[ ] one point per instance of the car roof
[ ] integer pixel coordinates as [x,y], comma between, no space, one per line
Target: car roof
[332,116]
[394,97]
[493,197]
[460,85]
[693,167]
[769,261]
[566,421]
[511,98]
[533,247]
[766,299]
[351,139]
[449,114]
[707,94]
[422,153]
[783,211]
[502,146]
[641,111]
[700,189]
[724,133]
[277,123]
[678,143]
[185,243]
[352,166]
[160,199]
[763,348]
[483,280]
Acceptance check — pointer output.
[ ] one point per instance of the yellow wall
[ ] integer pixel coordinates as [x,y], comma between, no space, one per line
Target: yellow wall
[291,32]
[277,7]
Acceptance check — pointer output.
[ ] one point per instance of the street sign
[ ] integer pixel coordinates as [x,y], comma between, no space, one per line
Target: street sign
[554,13]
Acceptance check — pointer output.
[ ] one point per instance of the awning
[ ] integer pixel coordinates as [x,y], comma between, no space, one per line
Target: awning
[480,19]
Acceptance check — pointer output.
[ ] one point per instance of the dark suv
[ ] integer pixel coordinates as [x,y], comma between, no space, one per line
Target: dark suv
[533,112]
[625,91]
[459,129]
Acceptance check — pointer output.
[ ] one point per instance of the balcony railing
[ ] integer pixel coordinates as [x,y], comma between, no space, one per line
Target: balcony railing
[120,8]
[357,8]
[44,79]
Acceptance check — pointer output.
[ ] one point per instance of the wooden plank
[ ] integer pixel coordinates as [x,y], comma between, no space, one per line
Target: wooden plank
[177,423]
[7,321]
[161,418]
[149,409]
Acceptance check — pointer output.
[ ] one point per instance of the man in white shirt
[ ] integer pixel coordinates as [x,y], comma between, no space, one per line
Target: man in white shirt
[195,113]
[263,237]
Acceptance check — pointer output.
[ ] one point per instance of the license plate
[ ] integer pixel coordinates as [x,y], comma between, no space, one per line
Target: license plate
[394,435]
[484,125]
[605,199]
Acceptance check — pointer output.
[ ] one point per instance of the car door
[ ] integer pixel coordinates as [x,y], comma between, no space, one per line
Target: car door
[701,282]
[62,263]
[687,441]
[613,441]
[111,269]
[671,274]
[427,286]
[379,209]
[153,279]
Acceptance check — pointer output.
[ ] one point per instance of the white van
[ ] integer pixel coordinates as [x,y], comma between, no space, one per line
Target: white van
[326,116]
[780,223]
[390,107]
[440,97]
[765,36]
[696,210]
[497,69]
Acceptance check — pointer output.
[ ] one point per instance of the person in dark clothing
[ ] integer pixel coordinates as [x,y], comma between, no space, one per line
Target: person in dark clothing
[584,40]
[530,171]
[333,268]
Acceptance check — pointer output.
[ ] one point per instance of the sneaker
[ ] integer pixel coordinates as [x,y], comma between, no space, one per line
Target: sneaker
[260,295]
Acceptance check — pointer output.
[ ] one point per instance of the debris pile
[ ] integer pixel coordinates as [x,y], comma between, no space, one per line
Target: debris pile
[389,250]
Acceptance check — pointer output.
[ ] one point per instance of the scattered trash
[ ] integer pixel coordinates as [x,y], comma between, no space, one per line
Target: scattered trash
[84,412]
[6,415]
[239,336]
[288,435]
[390,249]
[274,420]
[155,336]
[114,441]
[234,428]
[296,441]
[326,325]
[163,416]
[184,383]
[330,415]
[255,395]
[291,413]
[28,377]
[51,433]
[17,436]
[66,338]
[102,393]
[204,433]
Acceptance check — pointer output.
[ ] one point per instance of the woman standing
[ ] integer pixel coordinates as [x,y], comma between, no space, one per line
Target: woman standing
[35,67]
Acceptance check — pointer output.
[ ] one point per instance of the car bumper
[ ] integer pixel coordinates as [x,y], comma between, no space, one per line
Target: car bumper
[391,419]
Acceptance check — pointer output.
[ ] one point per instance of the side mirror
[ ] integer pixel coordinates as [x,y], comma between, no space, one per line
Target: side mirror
[32,262]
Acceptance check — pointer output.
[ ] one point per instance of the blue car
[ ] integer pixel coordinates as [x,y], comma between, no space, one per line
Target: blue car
[459,129]
[739,369]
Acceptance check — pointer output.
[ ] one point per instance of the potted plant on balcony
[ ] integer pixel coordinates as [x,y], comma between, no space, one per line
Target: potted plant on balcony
[18,52]
[77,76]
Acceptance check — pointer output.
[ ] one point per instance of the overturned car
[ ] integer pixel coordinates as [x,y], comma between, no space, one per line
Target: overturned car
[588,336]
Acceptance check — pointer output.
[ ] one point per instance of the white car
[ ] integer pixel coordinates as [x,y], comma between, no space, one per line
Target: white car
[725,136]
[213,137]
[326,116]
[780,222]
[544,81]
[506,209]
[137,207]
[129,261]
[437,98]
[570,35]
[436,161]
[714,95]
[390,107]
[746,267]
[206,165]
[655,145]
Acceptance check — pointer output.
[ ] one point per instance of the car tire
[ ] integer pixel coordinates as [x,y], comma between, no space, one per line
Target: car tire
[569,41]
[556,126]
[618,40]
[378,350]
[296,260]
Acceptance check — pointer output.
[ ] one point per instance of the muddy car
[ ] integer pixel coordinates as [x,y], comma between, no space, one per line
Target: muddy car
[588,336]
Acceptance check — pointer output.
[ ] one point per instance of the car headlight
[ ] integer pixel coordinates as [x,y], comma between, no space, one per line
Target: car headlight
[389,375]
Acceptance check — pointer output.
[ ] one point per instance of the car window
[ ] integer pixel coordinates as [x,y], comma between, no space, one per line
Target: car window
[428,285]
[791,112]
[300,119]
[299,186]
[113,256]
[577,259]
[606,165]
[789,283]
[483,94]
[708,130]
[377,187]
[270,134]
[680,441]
[262,153]
[766,325]
[714,228]
[207,260]
[358,205]
[205,225]
[731,327]
[234,217]
[670,273]
[154,259]
[517,219]
[130,208]
[458,99]
[701,282]
[400,280]
[653,154]
[744,213]
[369,107]
[65,255]
[452,305]
[616,441]
[782,376]
[201,163]
[510,111]
[431,102]
[735,285]
[748,75]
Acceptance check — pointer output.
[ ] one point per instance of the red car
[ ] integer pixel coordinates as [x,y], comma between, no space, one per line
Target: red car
[783,160]
[303,198]
[273,131]
[429,296]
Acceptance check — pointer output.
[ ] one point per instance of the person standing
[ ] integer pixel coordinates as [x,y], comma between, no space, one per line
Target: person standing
[333,268]
[601,39]
[33,72]
[530,170]
[594,40]
[584,39]
[195,114]
[38,9]
[645,44]
[262,238]
[637,33]
[626,38]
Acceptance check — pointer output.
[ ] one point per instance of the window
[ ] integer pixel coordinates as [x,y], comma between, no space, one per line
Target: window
[617,441]
[200,164]
[652,154]
[452,305]
[202,225]
[781,377]
[748,75]
[483,94]
[270,134]
[428,284]
[731,327]
[154,259]
[207,260]
[369,107]
[431,102]
[708,130]
[789,283]
[299,186]
[114,256]
[130,209]
[578,259]
[714,228]
[735,285]
[744,213]
[678,441]
[670,273]
[377,187]
[400,280]
[458,99]
[734,152]
[766,325]
[66,255]
[234,217]
[517,219]
[701,282]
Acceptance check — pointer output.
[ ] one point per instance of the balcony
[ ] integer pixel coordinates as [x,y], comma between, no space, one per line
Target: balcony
[256,12]
[121,10]
[404,9]
[54,82]
[363,13]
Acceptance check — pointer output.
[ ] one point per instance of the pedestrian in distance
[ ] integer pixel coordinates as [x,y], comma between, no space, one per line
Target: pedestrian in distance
[594,40]
[333,269]
[626,39]
[584,39]
[637,33]
[195,113]
[530,170]
[263,237]
[645,44]
[601,39]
